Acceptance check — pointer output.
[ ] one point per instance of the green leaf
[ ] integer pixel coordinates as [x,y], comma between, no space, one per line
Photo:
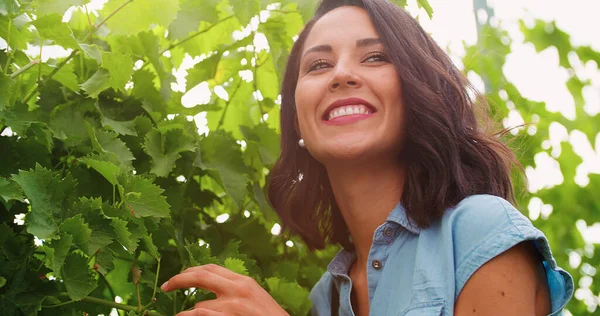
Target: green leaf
[19,37]
[49,195]
[57,251]
[165,149]
[425,5]
[2,282]
[120,67]
[143,197]
[290,295]
[8,7]
[146,13]
[10,191]
[107,169]
[67,124]
[97,83]
[221,153]
[200,255]
[6,90]
[120,127]
[76,227]
[124,237]
[236,265]
[245,9]
[46,7]
[19,118]
[92,51]
[191,14]
[78,277]
[105,142]
[65,76]
[51,27]
[203,71]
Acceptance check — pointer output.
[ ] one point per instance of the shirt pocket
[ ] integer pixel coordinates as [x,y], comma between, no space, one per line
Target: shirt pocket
[430,308]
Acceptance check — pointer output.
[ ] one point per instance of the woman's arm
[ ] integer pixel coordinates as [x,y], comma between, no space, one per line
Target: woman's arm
[513,283]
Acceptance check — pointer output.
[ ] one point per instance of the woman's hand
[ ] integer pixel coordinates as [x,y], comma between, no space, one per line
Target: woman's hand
[236,294]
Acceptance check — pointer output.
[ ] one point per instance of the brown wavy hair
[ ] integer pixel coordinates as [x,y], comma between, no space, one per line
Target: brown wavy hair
[449,151]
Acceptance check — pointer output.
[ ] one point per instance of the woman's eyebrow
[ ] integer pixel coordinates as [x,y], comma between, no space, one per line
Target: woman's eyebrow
[359,43]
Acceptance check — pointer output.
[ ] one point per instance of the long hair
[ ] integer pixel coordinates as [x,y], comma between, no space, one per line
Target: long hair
[449,151]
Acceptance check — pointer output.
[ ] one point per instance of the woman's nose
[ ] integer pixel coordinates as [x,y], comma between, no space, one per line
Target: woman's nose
[344,78]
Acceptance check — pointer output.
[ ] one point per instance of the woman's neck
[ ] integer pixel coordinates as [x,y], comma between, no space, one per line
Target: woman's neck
[366,194]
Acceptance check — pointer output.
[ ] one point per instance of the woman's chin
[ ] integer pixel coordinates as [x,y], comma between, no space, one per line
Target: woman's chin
[343,153]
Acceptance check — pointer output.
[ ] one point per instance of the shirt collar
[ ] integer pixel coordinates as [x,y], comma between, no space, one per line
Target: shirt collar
[343,259]
[399,216]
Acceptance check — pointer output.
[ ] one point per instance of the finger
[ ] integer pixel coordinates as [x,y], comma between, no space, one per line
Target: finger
[200,278]
[201,312]
[222,271]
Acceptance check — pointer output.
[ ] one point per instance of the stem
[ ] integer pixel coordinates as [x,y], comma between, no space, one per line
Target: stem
[88,17]
[24,68]
[187,299]
[194,35]
[106,19]
[40,67]
[222,119]
[137,290]
[7,46]
[60,304]
[110,289]
[94,300]
[155,285]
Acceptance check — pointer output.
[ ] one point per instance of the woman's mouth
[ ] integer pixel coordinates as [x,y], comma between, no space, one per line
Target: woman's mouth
[348,114]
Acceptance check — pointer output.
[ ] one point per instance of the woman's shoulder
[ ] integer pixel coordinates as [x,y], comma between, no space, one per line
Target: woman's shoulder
[481,215]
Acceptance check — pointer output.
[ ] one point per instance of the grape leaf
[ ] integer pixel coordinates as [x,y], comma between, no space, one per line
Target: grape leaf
[425,5]
[19,118]
[51,27]
[78,277]
[191,14]
[236,265]
[50,198]
[65,75]
[67,124]
[92,51]
[143,197]
[203,71]
[120,68]
[146,13]
[56,253]
[220,152]
[2,282]
[107,169]
[46,7]
[245,9]
[290,295]
[165,149]
[76,227]
[124,237]
[97,83]
[10,191]
[105,142]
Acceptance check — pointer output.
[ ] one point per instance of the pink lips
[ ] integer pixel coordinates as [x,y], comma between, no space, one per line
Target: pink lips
[348,119]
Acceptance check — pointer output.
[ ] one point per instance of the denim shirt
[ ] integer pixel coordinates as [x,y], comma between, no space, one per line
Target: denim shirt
[414,271]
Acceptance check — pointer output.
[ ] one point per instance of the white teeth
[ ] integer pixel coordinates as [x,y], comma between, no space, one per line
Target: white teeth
[349,110]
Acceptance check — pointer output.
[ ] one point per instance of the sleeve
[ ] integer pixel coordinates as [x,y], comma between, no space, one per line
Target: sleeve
[484,226]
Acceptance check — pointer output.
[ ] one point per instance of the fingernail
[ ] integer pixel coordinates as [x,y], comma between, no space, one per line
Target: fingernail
[164,286]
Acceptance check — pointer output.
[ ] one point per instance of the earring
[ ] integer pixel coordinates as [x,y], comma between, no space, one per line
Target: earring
[301,143]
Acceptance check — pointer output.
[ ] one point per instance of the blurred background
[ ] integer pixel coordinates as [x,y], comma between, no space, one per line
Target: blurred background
[184,94]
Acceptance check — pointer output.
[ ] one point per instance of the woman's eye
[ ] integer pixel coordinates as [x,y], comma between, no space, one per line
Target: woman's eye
[376,57]
[316,65]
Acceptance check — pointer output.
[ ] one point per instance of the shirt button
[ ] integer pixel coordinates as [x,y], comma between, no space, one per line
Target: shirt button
[376,264]
[388,232]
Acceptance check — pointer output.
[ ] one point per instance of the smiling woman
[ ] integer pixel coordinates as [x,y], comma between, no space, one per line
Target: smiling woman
[385,153]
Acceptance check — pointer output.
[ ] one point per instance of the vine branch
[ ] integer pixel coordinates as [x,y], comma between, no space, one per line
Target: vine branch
[194,35]
[99,301]
[24,68]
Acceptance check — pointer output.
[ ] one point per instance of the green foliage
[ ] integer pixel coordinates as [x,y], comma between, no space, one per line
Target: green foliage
[109,170]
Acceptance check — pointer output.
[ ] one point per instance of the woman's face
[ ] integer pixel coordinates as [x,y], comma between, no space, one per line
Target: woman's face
[348,96]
